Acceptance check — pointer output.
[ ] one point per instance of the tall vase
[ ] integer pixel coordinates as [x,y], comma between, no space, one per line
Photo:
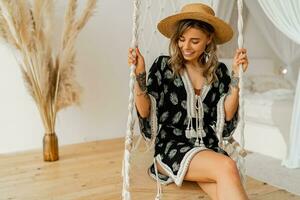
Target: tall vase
[50,147]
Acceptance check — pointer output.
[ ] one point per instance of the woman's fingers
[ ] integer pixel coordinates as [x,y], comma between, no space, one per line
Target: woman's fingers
[135,57]
[137,50]
[240,52]
[240,58]
[131,57]
[244,63]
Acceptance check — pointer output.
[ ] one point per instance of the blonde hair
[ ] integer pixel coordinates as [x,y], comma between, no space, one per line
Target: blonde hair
[177,61]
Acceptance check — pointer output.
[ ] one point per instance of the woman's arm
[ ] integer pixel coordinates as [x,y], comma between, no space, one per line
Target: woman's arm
[142,100]
[231,102]
[232,99]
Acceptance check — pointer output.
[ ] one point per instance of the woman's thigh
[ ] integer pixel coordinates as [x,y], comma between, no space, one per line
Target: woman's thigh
[206,166]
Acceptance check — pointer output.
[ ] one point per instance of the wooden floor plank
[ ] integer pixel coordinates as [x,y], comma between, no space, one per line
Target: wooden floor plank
[92,170]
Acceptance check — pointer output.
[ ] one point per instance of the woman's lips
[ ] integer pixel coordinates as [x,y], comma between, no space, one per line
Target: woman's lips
[188,53]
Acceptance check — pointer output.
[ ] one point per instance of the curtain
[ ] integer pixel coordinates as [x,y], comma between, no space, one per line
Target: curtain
[285,17]
[287,51]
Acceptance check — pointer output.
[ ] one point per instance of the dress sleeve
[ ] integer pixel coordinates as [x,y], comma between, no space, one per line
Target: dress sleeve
[227,128]
[148,126]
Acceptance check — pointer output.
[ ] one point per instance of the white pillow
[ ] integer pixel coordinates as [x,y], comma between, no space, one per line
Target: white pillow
[279,94]
[263,83]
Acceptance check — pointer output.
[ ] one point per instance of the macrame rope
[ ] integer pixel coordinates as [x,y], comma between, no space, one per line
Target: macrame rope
[130,121]
[239,148]
[241,159]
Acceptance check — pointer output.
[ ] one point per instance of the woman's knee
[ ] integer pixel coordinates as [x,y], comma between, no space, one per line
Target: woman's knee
[228,168]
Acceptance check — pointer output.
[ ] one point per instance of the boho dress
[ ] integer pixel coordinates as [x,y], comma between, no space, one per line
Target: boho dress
[181,122]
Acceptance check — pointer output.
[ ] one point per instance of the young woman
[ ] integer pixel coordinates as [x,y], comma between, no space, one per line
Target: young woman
[188,100]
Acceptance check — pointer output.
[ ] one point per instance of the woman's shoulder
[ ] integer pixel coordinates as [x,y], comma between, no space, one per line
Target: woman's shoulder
[222,70]
[161,59]
[161,62]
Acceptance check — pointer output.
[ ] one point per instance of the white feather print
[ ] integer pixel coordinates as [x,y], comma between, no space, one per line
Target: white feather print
[168,147]
[149,81]
[177,132]
[164,116]
[172,153]
[221,88]
[213,126]
[216,84]
[165,89]
[210,141]
[163,63]
[178,82]
[158,76]
[163,134]
[183,104]
[175,166]
[184,149]
[219,71]
[161,100]
[154,94]
[173,98]
[186,120]
[213,97]
[205,107]
[177,117]
[168,74]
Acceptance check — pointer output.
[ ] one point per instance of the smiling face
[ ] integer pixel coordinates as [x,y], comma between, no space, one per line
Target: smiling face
[192,44]
[187,45]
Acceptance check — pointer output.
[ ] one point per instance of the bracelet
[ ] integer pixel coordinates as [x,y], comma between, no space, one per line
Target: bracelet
[235,81]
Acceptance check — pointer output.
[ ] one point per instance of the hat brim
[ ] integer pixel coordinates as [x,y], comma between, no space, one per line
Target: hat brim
[223,31]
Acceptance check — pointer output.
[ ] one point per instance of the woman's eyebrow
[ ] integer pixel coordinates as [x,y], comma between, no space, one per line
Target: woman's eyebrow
[190,38]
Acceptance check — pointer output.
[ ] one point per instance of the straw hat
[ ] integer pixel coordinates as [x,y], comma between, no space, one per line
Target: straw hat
[197,11]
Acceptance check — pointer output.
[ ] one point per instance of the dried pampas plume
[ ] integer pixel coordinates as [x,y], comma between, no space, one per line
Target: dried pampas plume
[49,77]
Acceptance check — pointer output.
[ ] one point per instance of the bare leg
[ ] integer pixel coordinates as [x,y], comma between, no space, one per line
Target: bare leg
[210,189]
[209,166]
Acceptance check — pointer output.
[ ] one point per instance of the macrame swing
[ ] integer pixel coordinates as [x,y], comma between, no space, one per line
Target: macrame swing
[232,147]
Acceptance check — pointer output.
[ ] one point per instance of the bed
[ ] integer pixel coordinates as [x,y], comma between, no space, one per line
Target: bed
[268,108]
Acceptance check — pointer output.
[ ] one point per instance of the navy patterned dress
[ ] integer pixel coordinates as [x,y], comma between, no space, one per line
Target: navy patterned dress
[181,122]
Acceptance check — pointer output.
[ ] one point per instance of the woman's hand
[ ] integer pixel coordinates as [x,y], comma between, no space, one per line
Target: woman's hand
[135,57]
[240,58]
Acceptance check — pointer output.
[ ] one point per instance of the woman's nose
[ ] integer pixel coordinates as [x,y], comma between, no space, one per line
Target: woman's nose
[186,45]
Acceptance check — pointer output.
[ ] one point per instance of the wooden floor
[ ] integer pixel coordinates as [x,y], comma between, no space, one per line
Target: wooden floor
[91,171]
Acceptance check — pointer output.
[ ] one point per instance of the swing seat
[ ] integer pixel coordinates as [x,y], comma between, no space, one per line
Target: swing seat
[142,186]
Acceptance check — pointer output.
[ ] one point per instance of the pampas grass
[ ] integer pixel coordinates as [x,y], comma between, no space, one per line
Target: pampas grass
[49,75]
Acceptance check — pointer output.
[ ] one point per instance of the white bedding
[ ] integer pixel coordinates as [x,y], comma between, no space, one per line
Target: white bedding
[267,122]
[269,107]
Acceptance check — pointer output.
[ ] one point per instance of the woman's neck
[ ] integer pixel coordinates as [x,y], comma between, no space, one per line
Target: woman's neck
[195,66]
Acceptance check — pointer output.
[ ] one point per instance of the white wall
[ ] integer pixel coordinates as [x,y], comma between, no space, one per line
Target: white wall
[102,72]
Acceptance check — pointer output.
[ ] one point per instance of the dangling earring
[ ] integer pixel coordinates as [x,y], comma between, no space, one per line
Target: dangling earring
[206,56]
